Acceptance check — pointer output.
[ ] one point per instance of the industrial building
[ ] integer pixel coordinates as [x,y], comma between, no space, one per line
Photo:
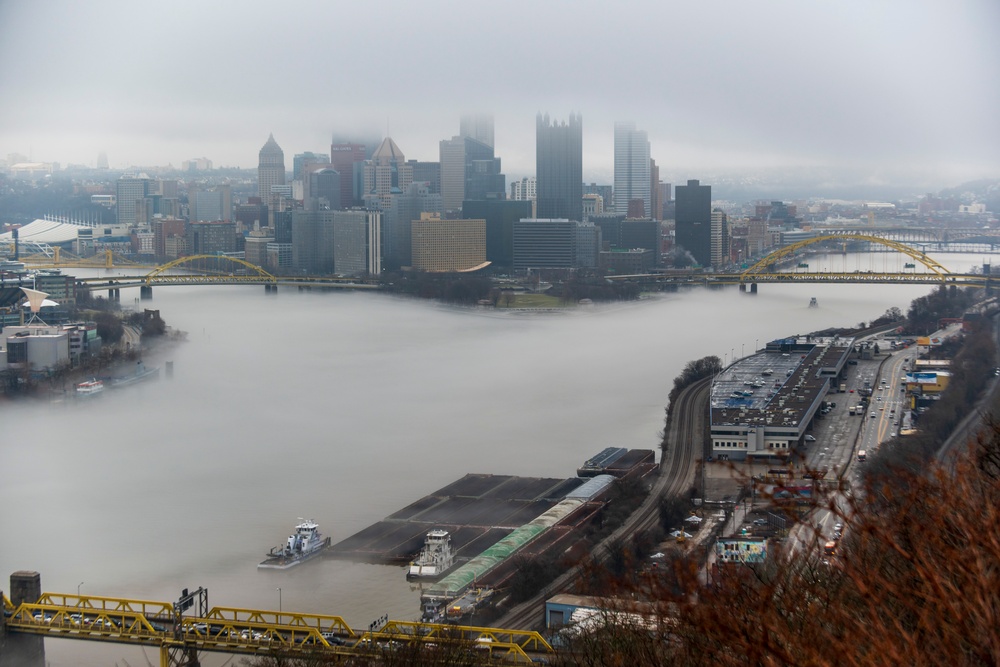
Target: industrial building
[762,405]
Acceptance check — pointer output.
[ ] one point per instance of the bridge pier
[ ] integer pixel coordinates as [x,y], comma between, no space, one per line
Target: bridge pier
[23,649]
[270,289]
[146,292]
[753,288]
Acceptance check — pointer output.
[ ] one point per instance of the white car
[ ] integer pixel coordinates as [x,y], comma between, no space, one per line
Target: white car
[810,438]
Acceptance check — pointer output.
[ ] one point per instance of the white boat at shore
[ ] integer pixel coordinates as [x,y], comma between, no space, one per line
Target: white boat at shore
[434,558]
[90,388]
[305,544]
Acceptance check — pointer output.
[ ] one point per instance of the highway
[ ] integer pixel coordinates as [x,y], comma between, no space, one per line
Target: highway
[674,476]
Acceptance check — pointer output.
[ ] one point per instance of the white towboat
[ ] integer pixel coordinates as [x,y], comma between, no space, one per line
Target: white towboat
[434,558]
[305,544]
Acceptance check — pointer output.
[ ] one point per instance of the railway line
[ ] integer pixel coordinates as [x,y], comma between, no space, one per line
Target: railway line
[675,475]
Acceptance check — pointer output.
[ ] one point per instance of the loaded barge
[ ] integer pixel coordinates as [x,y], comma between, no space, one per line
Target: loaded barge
[488,519]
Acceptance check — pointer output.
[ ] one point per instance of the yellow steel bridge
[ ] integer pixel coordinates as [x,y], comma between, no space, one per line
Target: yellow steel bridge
[250,632]
[773,268]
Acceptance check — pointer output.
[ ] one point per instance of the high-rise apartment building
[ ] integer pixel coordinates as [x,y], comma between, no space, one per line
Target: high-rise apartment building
[478,126]
[559,167]
[210,205]
[211,238]
[130,192]
[720,239]
[693,215]
[632,163]
[270,168]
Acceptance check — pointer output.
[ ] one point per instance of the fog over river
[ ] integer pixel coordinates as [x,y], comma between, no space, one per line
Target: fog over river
[344,407]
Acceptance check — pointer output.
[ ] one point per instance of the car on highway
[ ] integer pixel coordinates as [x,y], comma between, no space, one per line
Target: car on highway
[873,415]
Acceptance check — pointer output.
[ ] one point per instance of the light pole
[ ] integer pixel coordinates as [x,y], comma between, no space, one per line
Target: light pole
[742,350]
[78,588]
[279,599]
[755,346]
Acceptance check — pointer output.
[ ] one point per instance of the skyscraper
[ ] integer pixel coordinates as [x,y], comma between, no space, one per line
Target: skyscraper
[478,126]
[349,160]
[386,174]
[470,171]
[270,168]
[559,168]
[693,217]
[632,178]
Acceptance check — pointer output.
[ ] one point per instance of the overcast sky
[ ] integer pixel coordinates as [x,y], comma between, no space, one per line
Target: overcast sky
[874,86]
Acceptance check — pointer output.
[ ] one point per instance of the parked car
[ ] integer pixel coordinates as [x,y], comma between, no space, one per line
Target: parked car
[810,438]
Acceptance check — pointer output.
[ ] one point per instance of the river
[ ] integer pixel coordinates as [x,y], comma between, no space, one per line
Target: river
[344,407]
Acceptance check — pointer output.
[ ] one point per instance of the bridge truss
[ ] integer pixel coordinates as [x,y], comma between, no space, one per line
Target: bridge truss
[250,632]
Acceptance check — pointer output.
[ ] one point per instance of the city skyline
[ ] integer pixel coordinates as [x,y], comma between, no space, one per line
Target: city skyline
[899,87]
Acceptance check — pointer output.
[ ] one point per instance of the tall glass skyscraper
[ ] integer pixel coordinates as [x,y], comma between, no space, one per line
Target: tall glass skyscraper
[693,215]
[559,168]
[632,177]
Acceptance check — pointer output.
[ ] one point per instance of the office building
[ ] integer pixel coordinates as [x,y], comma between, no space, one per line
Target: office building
[500,216]
[448,245]
[478,126]
[270,168]
[632,164]
[555,244]
[324,189]
[255,248]
[427,172]
[312,242]
[655,192]
[469,170]
[693,215]
[357,241]
[302,161]
[348,159]
[524,190]
[396,228]
[592,205]
[559,167]
[386,174]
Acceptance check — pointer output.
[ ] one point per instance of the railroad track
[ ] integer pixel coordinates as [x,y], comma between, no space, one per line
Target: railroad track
[675,475]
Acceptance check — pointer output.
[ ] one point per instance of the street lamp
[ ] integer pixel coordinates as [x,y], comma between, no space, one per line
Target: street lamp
[755,346]
[78,588]
[279,599]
